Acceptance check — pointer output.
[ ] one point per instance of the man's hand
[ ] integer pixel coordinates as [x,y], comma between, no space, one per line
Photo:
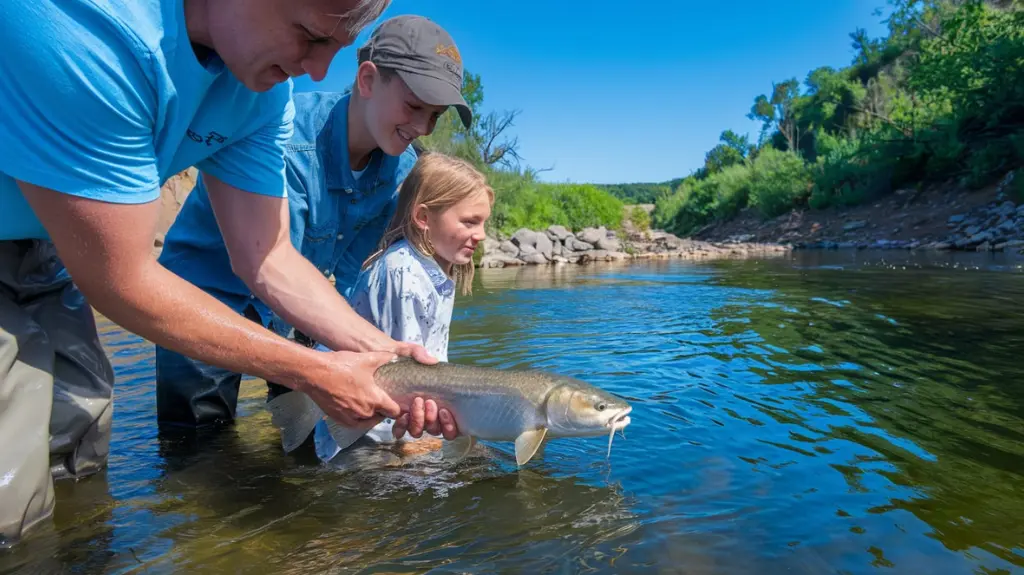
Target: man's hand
[413,350]
[422,415]
[346,391]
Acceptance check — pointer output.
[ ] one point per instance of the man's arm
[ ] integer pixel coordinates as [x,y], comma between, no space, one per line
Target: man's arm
[255,230]
[77,135]
[107,250]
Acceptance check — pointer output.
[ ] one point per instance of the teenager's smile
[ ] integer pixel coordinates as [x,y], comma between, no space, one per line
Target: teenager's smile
[405,136]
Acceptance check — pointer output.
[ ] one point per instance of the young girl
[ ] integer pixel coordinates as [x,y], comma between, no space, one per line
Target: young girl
[407,287]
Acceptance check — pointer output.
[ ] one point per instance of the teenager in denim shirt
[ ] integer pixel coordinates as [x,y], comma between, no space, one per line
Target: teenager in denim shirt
[348,154]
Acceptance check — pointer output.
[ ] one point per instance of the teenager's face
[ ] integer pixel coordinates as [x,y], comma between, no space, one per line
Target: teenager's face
[456,231]
[264,42]
[394,115]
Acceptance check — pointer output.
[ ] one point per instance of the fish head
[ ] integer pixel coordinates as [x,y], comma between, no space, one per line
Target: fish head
[577,409]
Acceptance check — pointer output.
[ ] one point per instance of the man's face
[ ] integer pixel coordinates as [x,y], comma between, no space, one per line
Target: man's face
[394,115]
[263,42]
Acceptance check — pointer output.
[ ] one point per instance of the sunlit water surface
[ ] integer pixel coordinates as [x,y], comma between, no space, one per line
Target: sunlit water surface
[820,413]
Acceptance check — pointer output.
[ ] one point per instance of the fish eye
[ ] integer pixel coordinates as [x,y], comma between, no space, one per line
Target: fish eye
[601,407]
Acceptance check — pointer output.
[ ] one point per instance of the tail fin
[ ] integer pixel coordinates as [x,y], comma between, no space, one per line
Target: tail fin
[296,414]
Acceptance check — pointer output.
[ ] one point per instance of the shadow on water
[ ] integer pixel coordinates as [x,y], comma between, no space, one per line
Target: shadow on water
[823,412]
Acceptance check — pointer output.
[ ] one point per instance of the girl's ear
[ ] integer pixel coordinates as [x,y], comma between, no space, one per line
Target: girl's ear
[419,216]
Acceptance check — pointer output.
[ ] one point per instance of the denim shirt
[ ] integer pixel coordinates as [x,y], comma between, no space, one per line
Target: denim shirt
[336,221]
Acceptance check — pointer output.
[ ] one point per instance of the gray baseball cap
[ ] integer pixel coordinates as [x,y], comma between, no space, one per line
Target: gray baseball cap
[424,56]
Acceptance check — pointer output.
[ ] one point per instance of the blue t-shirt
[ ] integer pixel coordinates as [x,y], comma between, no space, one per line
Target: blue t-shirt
[105,99]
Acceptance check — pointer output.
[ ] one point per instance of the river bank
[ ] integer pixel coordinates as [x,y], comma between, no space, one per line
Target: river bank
[936,218]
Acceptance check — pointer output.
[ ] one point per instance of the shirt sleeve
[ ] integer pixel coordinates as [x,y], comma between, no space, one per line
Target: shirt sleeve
[256,164]
[77,101]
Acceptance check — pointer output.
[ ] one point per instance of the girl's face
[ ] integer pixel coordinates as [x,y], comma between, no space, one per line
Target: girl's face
[454,232]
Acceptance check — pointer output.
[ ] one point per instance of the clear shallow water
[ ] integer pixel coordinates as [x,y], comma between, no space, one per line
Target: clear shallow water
[825,413]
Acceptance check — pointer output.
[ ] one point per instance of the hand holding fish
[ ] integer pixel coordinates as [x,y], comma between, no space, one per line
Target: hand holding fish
[422,415]
[350,395]
[425,416]
[413,350]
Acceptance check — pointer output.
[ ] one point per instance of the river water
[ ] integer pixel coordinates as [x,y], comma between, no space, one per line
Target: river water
[823,412]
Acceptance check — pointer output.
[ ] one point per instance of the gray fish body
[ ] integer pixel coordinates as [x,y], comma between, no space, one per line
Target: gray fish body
[487,403]
[527,407]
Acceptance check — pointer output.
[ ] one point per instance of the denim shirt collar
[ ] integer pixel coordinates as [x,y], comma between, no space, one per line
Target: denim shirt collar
[338,168]
[443,284]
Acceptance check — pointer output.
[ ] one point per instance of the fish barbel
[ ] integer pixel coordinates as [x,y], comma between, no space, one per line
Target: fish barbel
[524,406]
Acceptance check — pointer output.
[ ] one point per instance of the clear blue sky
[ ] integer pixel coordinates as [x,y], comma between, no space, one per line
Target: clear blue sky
[636,91]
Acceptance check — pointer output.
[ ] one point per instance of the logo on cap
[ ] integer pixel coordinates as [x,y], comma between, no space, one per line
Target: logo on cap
[450,50]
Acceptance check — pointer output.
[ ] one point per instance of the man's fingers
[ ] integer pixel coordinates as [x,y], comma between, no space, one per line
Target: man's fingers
[430,422]
[376,359]
[387,406]
[400,426]
[421,355]
[448,427]
[416,415]
[417,352]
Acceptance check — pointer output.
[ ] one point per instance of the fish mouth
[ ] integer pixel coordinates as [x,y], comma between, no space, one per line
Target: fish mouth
[620,420]
[617,423]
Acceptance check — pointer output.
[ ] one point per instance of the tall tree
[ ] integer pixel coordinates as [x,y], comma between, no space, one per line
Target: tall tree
[779,112]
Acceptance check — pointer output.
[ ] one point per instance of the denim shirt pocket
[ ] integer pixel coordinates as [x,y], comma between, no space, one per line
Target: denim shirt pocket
[364,216]
[313,208]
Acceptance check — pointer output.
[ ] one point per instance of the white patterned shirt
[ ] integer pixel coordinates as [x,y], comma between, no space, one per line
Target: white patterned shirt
[406,295]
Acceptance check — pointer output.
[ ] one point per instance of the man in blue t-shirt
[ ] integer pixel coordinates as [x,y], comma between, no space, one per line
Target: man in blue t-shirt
[102,101]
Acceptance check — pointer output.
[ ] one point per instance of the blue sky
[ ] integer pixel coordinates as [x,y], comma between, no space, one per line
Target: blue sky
[613,92]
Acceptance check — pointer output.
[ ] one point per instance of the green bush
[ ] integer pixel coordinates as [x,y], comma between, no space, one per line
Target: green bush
[730,189]
[665,209]
[850,173]
[779,181]
[521,202]
[586,206]
[640,218]
[695,210]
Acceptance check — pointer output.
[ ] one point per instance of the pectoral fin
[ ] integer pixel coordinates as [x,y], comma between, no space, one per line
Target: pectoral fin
[296,414]
[345,436]
[528,443]
[458,448]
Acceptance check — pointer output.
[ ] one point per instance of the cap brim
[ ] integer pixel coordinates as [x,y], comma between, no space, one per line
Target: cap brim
[437,93]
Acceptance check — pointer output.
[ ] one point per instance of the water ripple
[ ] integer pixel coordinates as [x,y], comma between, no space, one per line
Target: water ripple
[813,415]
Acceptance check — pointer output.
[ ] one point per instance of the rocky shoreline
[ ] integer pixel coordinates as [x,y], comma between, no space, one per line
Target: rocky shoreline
[942,218]
[558,245]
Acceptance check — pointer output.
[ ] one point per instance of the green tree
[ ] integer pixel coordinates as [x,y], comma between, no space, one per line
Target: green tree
[732,150]
[779,111]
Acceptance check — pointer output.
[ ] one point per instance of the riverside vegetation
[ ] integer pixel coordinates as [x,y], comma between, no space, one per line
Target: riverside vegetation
[926,124]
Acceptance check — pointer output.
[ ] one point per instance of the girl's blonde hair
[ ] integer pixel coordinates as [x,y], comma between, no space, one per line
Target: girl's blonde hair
[438,181]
